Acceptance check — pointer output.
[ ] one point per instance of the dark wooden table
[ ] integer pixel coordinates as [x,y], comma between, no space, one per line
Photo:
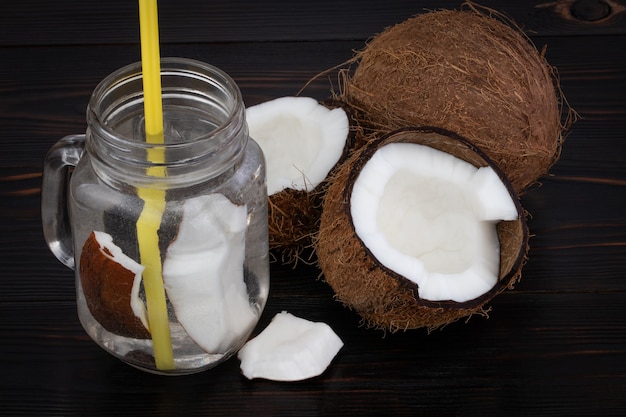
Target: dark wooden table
[556,345]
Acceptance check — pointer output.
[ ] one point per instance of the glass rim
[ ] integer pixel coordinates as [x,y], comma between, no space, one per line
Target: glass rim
[169,66]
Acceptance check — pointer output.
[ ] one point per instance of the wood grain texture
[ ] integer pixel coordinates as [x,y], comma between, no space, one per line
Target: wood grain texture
[554,345]
[36,22]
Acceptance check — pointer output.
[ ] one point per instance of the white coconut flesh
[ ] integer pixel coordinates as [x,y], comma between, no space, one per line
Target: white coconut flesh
[290,348]
[302,140]
[431,217]
[203,273]
[115,253]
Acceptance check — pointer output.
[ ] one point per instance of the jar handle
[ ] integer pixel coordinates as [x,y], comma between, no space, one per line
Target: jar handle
[57,230]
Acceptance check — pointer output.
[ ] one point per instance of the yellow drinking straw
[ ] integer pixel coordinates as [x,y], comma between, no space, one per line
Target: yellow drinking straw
[154,199]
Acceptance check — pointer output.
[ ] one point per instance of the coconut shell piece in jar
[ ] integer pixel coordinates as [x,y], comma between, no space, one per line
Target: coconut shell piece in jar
[419,228]
[111,283]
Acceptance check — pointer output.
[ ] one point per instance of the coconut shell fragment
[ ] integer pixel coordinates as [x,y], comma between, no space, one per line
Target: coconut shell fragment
[469,72]
[287,129]
[110,281]
[382,297]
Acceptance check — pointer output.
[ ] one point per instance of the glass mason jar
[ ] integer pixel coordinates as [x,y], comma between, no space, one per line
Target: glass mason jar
[168,240]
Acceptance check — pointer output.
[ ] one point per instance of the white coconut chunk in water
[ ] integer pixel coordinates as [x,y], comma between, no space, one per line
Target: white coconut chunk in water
[431,217]
[203,273]
[289,349]
[301,139]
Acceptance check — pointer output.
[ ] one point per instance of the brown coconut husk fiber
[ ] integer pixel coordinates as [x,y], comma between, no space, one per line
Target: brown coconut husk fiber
[470,71]
[293,220]
[383,298]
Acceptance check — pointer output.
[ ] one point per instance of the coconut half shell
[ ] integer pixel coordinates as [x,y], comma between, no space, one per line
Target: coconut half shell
[294,210]
[382,297]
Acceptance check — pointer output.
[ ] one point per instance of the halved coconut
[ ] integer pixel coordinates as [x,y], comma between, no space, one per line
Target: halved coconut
[290,348]
[303,140]
[111,283]
[419,229]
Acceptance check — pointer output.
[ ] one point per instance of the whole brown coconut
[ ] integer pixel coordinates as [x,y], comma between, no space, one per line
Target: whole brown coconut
[469,73]
[382,297]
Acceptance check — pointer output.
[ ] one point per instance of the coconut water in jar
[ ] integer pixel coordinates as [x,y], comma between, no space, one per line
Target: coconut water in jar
[169,240]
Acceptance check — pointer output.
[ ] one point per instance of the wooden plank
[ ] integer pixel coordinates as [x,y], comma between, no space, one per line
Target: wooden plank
[36,22]
[536,355]
[38,107]
[573,248]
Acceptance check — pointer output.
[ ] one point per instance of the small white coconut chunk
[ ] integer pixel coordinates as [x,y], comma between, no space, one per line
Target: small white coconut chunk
[289,349]
[431,217]
[302,140]
[116,254]
[203,273]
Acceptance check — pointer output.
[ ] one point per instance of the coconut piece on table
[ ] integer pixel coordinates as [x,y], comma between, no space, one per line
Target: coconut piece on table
[302,140]
[419,229]
[111,283]
[290,348]
[203,273]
